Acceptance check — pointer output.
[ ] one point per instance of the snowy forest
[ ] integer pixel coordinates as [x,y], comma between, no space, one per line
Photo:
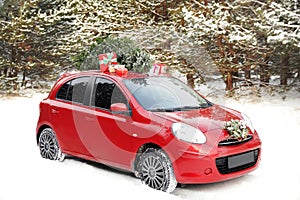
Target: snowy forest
[244,42]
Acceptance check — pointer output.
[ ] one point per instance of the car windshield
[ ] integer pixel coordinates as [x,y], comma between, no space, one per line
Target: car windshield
[165,94]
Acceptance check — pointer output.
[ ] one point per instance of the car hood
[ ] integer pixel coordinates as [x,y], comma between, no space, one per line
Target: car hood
[206,119]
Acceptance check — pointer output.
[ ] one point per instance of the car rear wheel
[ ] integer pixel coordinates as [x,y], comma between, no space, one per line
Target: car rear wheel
[49,147]
[156,171]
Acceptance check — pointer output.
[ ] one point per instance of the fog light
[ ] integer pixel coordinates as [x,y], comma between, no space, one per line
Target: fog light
[208,171]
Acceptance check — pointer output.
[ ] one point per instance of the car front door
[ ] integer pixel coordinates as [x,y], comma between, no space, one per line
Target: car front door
[107,135]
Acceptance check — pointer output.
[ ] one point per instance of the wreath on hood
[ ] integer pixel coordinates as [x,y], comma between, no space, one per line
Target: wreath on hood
[237,129]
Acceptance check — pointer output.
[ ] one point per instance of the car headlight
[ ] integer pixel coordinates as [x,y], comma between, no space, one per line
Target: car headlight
[188,133]
[248,122]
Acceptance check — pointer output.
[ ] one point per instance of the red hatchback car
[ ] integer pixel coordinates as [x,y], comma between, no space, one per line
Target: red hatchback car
[154,126]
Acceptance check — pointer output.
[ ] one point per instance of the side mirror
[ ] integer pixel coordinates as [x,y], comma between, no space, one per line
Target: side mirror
[119,108]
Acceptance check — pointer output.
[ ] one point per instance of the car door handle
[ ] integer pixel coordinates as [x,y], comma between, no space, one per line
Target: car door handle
[54,111]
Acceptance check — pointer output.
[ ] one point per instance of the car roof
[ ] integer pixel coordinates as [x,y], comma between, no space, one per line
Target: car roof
[128,75]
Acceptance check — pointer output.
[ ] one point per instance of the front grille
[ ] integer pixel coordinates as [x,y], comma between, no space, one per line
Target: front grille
[237,162]
[229,142]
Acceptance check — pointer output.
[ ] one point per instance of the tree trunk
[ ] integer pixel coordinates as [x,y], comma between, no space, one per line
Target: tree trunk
[24,77]
[165,9]
[284,70]
[247,72]
[5,71]
[13,59]
[283,76]
[190,80]
[264,75]
[229,81]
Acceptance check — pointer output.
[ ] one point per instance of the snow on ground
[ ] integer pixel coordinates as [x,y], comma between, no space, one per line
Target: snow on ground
[25,175]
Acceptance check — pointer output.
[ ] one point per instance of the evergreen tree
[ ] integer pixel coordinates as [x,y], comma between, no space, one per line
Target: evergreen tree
[282,23]
[41,36]
[245,35]
[128,54]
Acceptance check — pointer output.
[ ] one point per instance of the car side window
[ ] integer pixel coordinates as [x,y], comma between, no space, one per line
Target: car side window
[63,91]
[73,90]
[105,93]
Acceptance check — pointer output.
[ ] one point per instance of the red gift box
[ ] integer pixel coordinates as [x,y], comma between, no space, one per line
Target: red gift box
[121,71]
[106,59]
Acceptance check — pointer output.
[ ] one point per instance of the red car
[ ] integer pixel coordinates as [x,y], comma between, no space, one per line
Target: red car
[154,126]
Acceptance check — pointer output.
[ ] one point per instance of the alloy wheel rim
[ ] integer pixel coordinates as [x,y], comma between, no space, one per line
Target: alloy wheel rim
[48,146]
[153,173]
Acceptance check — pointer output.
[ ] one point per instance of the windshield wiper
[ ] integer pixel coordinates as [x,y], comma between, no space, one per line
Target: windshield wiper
[205,105]
[161,110]
[181,108]
[200,106]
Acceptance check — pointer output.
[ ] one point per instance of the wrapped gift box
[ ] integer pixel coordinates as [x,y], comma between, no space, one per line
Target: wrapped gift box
[107,59]
[121,71]
[159,68]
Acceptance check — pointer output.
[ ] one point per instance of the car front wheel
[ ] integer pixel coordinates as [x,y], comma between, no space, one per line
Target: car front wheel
[156,171]
[49,147]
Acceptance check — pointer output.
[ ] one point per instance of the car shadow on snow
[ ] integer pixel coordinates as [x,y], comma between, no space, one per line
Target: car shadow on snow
[209,187]
[215,186]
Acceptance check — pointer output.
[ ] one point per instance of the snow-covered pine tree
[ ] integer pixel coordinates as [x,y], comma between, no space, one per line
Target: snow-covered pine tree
[128,54]
[168,41]
[41,35]
[244,35]
[16,51]
[282,23]
[31,39]
[227,31]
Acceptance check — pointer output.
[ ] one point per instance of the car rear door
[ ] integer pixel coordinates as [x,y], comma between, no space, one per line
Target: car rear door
[66,114]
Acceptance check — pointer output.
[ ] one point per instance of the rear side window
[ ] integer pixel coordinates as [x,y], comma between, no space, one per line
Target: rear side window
[63,91]
[73,90]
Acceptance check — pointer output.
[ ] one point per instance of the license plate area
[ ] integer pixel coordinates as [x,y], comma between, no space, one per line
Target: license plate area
[239,160]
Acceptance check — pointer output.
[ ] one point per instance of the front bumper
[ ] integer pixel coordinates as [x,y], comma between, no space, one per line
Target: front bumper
[209,163]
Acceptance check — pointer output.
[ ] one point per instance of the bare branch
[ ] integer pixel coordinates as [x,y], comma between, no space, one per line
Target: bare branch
[145,7]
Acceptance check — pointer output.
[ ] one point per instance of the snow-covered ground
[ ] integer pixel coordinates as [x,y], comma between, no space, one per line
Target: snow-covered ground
[25,175]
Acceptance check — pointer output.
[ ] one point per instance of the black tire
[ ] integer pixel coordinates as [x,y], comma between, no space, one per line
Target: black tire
[155,170]
[49,147]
